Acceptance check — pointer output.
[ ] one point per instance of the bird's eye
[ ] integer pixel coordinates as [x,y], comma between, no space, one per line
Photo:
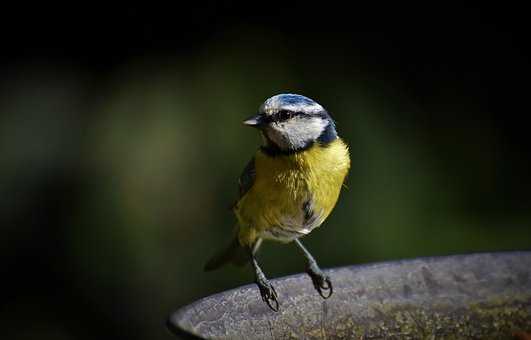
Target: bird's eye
[284,115]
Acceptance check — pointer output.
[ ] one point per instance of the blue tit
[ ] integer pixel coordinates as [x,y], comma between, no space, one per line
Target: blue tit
[289,187]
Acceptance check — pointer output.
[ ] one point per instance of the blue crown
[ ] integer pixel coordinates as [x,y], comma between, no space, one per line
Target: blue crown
[293,99]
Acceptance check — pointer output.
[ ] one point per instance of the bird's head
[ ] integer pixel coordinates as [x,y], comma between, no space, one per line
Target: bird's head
[291,123]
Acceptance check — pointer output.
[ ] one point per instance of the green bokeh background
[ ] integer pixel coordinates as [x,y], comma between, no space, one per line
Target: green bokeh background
[116,182]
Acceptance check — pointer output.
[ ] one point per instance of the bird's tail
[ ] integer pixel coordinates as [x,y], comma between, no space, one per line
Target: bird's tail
[234,253]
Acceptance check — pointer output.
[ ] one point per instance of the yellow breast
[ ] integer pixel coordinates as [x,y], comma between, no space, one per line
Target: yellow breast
[292,194]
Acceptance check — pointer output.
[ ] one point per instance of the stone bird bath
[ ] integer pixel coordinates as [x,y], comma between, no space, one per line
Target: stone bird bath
[476,296]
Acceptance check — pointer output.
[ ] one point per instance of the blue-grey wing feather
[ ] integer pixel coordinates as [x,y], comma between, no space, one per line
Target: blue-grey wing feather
[247,177]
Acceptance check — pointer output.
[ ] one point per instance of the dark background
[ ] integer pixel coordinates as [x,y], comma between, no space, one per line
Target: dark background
[121,142]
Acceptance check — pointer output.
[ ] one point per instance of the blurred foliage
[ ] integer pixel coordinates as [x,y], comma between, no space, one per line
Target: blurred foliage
[116,185]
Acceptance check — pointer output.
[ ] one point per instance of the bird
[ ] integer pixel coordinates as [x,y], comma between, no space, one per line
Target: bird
[288,188]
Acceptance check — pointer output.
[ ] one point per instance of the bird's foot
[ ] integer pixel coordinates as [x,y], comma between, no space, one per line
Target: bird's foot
[321,281]
[268,292]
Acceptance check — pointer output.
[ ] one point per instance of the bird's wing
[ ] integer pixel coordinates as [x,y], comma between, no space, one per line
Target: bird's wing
[236,253]
[246,179]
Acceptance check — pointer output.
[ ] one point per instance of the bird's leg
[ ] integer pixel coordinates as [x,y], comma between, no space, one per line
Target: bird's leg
[320,280]
[269,295]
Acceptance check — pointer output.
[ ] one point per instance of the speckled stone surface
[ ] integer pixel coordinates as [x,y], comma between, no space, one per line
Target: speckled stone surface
[476,296]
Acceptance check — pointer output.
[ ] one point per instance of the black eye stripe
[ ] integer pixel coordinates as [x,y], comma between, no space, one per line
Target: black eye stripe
[282,116]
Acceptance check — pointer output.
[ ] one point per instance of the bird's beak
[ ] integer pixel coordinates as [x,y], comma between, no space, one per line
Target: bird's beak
[254,121]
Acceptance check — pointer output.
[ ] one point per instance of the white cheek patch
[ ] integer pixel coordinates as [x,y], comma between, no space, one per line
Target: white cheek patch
[296,132]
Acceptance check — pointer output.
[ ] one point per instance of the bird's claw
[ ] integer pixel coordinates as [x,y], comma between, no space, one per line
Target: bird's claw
[269,294]
[322,283]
